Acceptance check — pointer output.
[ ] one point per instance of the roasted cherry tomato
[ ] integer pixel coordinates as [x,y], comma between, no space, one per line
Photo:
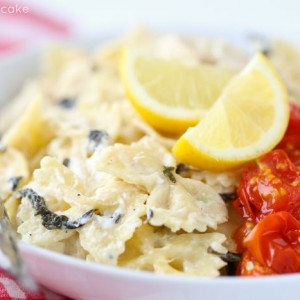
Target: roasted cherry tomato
[249,266]
[291,140]
[294,122]
[269,185]
[291,145]
[275,243]
[241,233]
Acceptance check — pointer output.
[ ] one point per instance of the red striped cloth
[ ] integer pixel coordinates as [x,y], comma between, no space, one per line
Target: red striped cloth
[12,290]
[9,289]
[21,24]
[18,28]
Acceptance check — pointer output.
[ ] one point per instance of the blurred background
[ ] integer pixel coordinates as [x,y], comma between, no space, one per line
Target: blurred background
[45,19]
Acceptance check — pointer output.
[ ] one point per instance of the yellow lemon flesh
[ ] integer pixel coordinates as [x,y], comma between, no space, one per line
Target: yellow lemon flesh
[171,95]
[248,120]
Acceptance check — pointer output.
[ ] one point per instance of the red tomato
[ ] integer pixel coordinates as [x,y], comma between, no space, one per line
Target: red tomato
[275,243]
[291,145]
[269,185]
[249,266]
[241,233]
[294,122]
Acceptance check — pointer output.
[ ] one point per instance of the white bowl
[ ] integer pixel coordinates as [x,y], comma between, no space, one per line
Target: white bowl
[78,279]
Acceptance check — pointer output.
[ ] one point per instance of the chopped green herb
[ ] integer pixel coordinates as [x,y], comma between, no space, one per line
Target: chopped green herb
[51,220]
[182,168]
[66,162]
[116,217]
[96,137]
[67,103]
[149,214]
[228,197]
[231,257]
[14,182]
[232,260]
[168,172]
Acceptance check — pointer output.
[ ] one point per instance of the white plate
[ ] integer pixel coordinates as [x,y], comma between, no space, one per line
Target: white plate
[78,279]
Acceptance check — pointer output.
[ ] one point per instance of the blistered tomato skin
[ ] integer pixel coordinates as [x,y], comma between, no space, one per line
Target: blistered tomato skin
[241,233]
[275,243]
[291,140]
[249,266]
[269,185]
[269,201]
[294,121]
[291,145]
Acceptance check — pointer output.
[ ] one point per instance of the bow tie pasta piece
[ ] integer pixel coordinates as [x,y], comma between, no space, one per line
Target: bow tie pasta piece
[222,182]
[76,122]
[69,71]
[74,151]
[60,240]
[168,253]
[120,208]
[129,131]
[14,172]
[140,163]
[104,236]
[76,139]
[189,205]
[31,132]
[149,131]
[59,185]
[32,231]
[63,188]
[175,202]
[100,115]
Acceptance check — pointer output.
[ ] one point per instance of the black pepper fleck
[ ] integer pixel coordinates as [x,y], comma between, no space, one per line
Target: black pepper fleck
[168,172]
[67,103]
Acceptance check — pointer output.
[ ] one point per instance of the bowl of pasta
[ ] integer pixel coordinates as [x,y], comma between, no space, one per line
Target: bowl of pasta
[155,166]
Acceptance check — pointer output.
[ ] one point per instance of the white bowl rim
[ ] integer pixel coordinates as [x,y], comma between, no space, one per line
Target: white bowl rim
[137,275]
[133,274]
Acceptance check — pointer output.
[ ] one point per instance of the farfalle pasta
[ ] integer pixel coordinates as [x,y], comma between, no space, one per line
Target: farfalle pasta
[84,175]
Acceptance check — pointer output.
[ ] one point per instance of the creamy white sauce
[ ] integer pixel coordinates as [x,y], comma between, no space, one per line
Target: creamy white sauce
[168,160]
[137,158]
[108,219]
[106,222]
[76,167]
[159,180]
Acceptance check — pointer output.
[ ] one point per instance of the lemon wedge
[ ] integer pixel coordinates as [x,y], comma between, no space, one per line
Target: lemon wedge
[171,95]
[248,120]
